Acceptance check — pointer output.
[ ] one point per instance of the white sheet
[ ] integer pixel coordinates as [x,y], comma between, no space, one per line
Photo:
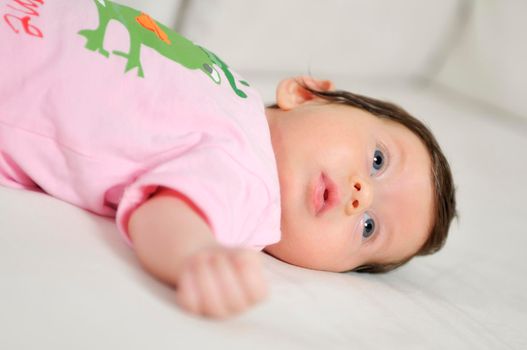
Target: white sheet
[69,282]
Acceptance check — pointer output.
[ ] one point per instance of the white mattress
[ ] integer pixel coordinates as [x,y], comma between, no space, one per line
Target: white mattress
[69,282]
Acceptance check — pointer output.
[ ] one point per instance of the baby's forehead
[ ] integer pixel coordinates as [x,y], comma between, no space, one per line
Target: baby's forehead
[407,216]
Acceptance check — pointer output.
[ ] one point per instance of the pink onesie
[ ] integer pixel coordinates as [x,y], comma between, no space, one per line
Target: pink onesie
[100,105]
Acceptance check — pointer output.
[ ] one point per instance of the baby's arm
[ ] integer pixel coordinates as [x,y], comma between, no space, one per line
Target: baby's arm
[176,245]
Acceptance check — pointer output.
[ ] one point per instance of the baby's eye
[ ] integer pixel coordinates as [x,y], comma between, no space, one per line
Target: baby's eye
[378,163]
[368,226]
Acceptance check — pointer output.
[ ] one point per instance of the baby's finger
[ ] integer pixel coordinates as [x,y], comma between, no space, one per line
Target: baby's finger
[186,292]
[250,274]
[230,285]
[210,297]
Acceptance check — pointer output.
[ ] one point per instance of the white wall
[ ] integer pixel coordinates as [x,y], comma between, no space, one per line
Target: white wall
[364,39]
[375,41]
[490,61]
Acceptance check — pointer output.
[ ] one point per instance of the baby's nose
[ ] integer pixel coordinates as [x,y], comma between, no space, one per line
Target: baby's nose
[360,197]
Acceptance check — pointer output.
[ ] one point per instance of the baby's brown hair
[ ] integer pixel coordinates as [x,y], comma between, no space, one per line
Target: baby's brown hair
[443,184]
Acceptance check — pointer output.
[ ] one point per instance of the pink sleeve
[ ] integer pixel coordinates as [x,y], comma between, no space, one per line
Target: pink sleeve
[234,202]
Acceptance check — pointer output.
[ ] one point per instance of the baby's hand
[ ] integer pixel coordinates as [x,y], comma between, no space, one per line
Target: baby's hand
[220,282]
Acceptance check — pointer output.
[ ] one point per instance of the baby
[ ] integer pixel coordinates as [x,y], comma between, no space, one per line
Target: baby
[105,108]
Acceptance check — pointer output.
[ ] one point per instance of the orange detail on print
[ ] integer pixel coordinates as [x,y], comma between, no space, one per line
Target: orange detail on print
[148,23]
[20,14]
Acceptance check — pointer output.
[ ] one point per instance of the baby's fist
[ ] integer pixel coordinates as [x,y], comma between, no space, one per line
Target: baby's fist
[220,282]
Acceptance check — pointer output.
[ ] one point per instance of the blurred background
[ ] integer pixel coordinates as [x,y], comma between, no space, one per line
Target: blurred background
[474,49]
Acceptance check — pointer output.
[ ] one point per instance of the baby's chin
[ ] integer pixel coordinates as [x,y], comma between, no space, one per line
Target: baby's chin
[306,259]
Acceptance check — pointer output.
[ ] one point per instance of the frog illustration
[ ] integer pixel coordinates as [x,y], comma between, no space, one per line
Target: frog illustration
[143,30]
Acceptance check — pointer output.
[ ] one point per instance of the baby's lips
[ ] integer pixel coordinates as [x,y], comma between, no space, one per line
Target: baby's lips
[319,203]
[333,193]
[317,196]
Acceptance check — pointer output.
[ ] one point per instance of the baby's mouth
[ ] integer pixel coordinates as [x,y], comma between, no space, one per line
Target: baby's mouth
[324,195]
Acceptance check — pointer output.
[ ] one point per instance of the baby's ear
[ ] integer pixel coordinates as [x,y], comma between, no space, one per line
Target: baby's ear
[292,92]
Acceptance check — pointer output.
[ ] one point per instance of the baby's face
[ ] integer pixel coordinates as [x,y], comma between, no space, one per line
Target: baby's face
[355,189]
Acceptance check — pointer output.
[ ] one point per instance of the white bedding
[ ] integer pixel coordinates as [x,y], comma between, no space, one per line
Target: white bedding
[69,282]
